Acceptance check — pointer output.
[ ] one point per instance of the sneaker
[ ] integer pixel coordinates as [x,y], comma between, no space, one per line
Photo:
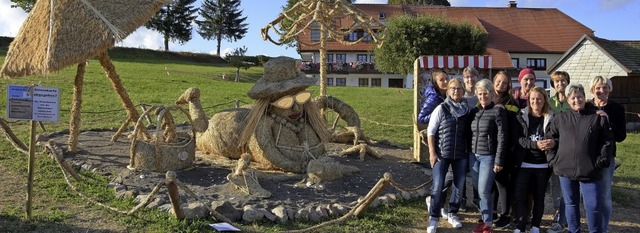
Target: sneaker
[555,228]
[444,214]
[518,231]
[454,220]
[478,228]
[487,229]
[433,226]
[534,230]
[503,222]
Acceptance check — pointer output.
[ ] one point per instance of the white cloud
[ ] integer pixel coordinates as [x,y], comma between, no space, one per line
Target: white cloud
[613,4]
[10,19]
[144,38]
[370,2]
[226,52]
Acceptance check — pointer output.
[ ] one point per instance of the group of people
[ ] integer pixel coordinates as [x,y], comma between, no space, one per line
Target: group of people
[516,142]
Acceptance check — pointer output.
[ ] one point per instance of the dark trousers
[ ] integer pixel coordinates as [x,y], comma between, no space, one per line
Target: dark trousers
[503,192]
[530,181]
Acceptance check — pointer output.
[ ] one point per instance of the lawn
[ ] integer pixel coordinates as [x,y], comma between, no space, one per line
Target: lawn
[155,79]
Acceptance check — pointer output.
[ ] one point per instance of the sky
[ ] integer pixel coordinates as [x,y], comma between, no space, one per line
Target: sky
[610,19]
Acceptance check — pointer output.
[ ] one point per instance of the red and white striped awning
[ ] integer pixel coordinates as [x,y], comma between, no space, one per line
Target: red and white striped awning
[460,61]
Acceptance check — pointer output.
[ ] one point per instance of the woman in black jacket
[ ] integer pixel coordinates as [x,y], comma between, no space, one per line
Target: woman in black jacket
[533,172]
[489,131]
[584,144]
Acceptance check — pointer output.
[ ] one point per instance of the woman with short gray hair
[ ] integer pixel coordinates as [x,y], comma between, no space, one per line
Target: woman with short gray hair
[583,147]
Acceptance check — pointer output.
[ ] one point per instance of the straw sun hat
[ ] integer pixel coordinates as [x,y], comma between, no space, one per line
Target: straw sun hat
[281,77]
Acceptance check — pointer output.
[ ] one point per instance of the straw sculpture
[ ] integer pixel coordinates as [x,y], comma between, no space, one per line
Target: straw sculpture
[349,115]
[57,34]
[273,139]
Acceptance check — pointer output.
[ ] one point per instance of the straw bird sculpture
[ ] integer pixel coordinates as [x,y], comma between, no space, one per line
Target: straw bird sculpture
[57,34]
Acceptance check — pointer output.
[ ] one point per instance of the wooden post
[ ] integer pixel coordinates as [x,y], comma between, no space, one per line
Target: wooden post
[373,194]
[32,157]
[174,195]
[417,146]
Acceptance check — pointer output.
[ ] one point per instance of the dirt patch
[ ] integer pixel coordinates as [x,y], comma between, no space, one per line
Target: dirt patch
[208,180]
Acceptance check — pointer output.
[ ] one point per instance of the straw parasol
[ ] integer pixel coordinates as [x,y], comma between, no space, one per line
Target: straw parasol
[60,33]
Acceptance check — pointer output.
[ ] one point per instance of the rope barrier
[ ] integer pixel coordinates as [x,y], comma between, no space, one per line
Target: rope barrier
[386,124]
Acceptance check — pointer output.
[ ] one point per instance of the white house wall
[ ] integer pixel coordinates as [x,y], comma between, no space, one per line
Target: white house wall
[586,62]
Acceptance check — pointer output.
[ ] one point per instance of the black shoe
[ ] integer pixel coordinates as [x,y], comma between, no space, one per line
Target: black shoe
[504,222]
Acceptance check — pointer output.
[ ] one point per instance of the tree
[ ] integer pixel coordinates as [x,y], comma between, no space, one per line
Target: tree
[421,2]
[238,60]
[222,20]
[173,21]
[26,5]
[407,37]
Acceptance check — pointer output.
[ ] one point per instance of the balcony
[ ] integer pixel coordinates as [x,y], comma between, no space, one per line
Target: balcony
[340,68]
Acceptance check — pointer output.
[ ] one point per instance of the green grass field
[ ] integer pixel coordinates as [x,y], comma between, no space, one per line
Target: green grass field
[155,79]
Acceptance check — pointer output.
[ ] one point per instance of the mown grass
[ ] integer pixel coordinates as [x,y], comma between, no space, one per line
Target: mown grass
[385,112]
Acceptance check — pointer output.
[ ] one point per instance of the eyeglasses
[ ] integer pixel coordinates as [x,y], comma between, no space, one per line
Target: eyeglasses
[456,88]
[287,101]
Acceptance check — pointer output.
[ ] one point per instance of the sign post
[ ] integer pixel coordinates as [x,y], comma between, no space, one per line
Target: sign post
[33,103]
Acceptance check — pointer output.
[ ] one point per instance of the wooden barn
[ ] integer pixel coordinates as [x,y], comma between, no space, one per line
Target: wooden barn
[618,60]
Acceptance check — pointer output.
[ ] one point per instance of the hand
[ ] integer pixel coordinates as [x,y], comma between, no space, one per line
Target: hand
[602,113]
[497,168]
[433,158]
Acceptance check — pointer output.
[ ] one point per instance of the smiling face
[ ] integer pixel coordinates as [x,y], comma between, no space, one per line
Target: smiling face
[456,91]
[484,96]
[536,102]
[469,81]
[441,80]
[528,82]
[560,84]
[601,91]
[501,83]
[576,100]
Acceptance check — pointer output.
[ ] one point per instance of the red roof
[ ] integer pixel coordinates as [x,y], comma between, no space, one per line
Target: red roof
[510,29]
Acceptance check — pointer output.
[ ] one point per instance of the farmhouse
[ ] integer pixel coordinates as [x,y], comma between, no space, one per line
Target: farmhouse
[517,38]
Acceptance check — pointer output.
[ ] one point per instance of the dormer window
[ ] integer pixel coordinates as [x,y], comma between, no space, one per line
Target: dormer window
[382,15]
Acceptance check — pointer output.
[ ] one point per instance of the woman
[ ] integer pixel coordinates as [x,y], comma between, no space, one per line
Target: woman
[489,131]
[560,81]
[533,171]
[448,148]
[527,80]
[600,88]
[434,94]
[583,147]
[503,192]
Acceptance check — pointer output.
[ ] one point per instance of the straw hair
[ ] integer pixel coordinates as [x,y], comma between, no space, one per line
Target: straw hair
[81,29]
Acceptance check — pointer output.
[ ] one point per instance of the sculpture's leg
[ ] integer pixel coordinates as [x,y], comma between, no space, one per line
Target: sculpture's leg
[132,112]
[76,108]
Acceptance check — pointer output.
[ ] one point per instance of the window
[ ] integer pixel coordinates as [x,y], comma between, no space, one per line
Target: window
[341,58]
[366,36]
[341,81]
[376,82]
[353,36]
[363,82]
[515,62]
[362,57]
[372,58]
[329,58]
[329,81]
[315,35]
[382,15]
[537,63]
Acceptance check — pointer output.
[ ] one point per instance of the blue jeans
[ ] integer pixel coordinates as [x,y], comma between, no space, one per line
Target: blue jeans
[591,191]
[482,174]
[607,204]
[439,172]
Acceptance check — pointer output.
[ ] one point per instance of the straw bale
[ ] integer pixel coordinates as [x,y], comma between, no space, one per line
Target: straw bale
[328,169]
[221,138]
[81,29]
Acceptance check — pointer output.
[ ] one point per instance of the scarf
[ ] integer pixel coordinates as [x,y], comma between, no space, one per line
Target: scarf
[457,109]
